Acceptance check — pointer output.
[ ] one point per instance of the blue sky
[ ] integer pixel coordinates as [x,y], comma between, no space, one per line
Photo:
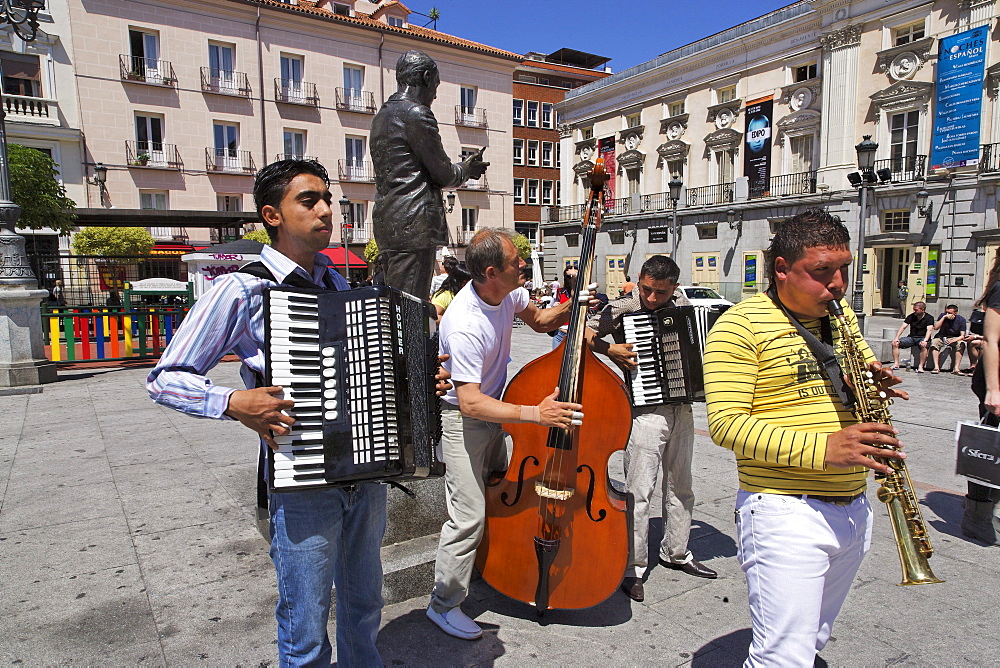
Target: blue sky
[629,34]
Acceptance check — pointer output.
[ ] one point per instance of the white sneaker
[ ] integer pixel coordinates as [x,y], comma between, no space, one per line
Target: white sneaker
[455,623]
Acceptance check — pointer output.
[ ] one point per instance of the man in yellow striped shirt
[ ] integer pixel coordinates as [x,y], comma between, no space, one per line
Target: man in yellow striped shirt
[803,521]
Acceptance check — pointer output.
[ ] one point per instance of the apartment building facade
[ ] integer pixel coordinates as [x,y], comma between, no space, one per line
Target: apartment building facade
[761,121]
[182,102]
[541,82]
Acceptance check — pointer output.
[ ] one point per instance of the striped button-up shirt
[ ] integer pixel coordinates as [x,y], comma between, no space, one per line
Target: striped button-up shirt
[228,318]
[609,319]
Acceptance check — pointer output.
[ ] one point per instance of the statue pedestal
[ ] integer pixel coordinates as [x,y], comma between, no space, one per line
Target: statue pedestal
[22,355]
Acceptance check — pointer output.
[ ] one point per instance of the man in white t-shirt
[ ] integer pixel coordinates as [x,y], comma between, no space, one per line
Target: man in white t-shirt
[475,332]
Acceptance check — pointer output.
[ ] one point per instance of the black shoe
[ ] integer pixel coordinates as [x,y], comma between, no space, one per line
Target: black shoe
[633,587]
[692,568]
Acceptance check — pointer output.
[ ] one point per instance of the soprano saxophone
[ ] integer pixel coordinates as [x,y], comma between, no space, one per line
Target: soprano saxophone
[896,490]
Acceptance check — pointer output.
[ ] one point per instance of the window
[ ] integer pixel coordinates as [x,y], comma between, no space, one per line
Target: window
[896,221]
[558,155]
[518,151]
[227,143]
[470,216]
[546,154]
[724,166]
[532,114]
[341,10]
[149,138]
[903,130]
[294,144]
[468,97]
[616,236]
[547,115]
[291,77]
[632,120]
[587,133]
[221,65]
[395,21]
[533,152]
[229,202]
[801,149]
[22,75]
[804,72]
[153,199]
[354,157]
[572,240]
[518,191]
[357,214]
[908,33]
[518,118]
[633,180]
[708,231]
[547,192]
[558,193]
[725,94]
[145,64]
[532,191]
[354,79]
[675,108]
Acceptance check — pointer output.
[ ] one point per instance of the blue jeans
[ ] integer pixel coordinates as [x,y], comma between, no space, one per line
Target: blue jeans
[320,539]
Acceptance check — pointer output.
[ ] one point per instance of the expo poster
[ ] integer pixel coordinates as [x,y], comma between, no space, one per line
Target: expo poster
[757,159]
[606,150]
[955,142]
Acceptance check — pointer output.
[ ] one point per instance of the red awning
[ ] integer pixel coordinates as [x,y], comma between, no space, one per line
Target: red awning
[167,248]
[336,256]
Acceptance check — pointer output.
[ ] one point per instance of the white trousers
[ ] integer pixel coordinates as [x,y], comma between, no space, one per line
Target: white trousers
[800,557]
[662,439]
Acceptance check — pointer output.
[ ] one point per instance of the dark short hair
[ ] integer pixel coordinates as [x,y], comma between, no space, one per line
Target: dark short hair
[660,268]
[951,306]
[272,182]
[448,262]
[487,250]
[811,228]
[921,305]
[412,66]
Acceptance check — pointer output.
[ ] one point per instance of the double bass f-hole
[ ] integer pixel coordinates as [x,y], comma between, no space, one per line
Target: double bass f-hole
[590,495]
[520,482]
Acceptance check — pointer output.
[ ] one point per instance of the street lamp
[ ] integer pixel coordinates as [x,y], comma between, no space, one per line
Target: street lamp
[866,161]
[345,232]
[735,220]
[924,207]
[674,186]
[451,201]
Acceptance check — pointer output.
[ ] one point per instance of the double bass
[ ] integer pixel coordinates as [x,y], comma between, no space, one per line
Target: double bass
[557,533]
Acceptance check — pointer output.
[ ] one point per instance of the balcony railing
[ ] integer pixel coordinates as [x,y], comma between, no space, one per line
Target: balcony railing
[657,202]
[147,70]
[723,193]
[31,109]
[360,234]
[562,214]
[465,236]
[352,99]
[470,116]
[990,160]
[475,184]
[151,154]
[909,168]
[224,82]
[618,207]
[361,171]
[294,156]
[296,92]
[802,183]
[229,160]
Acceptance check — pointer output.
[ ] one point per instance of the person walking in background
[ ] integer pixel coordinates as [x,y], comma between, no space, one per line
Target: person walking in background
[919,321]
[445,266]
[950,328]
[458,275]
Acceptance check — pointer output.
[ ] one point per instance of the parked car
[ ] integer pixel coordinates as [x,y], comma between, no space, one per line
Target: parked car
[700,295]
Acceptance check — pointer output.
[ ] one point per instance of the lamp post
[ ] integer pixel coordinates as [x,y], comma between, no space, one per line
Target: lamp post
[866,160]
[674,186]
[345,211]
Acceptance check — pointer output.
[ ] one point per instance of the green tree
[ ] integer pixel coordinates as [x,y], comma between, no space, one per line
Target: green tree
[35,188]
[258,235]
[371,251]
[522,245]
[113,241]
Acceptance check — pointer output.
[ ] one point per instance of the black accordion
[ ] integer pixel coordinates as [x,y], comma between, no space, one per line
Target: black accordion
[360,366]
[669,344]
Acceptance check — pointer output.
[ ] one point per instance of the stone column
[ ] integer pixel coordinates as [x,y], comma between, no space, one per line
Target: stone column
[838,134]
[22,356]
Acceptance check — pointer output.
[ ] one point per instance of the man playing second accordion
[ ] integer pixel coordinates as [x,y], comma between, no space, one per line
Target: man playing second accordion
[662,436]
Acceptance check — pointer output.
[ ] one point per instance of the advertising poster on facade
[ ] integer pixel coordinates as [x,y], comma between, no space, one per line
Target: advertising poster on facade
[757,159]
[959,97]
[606,149]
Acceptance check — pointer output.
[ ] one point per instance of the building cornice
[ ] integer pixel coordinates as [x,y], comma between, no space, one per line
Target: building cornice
[842,38]
[903,94]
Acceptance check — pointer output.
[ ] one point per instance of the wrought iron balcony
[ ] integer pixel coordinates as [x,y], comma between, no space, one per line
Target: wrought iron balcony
[361,234]
[352,99]
[147,70]
[224,82]
[990,159]
[25,109]
[908,168]
[294,156]
[802,183]
[474,117]
[296,92]
[229,161]
[465,236]
[475,184]
[152,155]
[724,193]
[359,171]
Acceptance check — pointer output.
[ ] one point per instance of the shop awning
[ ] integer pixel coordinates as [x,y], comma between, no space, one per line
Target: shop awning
[336,255]
[166,248]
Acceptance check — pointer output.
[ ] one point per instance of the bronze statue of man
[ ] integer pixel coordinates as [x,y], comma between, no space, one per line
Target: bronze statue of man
[411,168]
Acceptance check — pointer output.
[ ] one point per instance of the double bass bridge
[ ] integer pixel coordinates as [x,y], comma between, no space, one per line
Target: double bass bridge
[556,494]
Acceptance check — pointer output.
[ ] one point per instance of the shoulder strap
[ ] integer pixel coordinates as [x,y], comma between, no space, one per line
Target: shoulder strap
[294,279]
[823,352]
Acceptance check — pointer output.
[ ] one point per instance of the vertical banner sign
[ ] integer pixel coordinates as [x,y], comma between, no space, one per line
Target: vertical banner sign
[959,98]
[932,273]
[757,159]
[606,149]
[749,270]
